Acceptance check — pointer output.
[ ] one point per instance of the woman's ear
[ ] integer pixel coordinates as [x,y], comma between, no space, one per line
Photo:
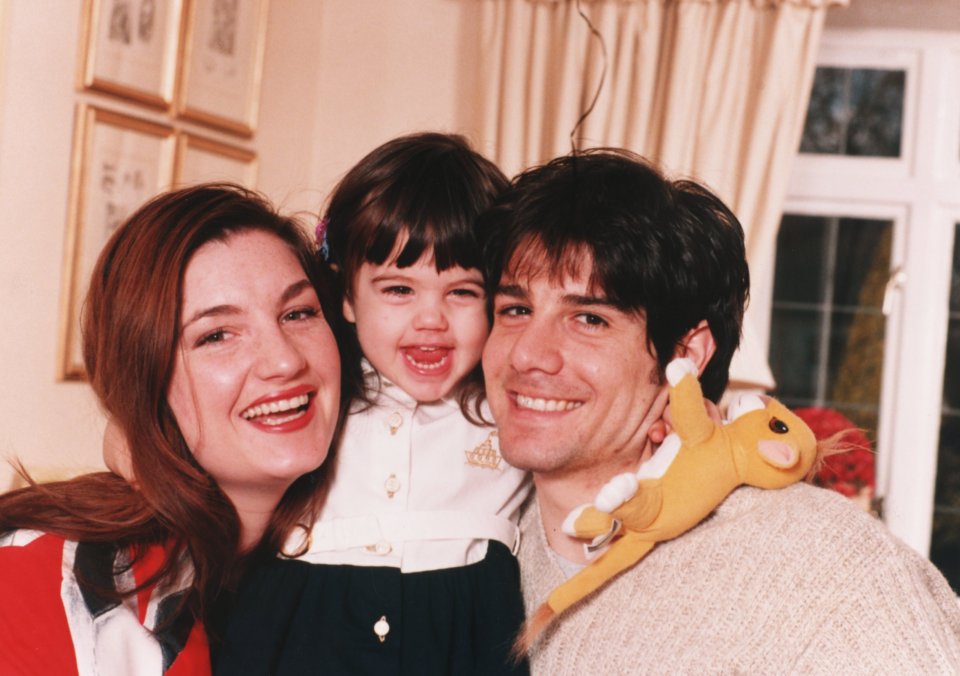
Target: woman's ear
[698,345]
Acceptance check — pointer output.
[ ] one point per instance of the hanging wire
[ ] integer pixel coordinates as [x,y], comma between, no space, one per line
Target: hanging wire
[603,76]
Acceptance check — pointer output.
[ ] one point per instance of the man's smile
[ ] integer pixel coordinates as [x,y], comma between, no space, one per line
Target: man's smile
[546,405]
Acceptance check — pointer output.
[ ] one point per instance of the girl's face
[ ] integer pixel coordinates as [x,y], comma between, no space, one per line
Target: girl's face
[422,330]
[256,384]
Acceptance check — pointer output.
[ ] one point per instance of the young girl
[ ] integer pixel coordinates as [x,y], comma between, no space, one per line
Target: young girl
[410,567]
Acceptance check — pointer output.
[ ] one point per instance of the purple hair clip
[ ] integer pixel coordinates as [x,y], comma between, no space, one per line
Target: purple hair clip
[321,234]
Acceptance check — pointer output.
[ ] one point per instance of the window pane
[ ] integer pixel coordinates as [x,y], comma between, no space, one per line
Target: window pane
[794,341]
[855,112]
[945,543]
[799,278]
[951,370]
[863,262]
[855,364]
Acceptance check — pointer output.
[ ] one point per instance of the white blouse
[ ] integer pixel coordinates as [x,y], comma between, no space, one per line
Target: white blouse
[384,509]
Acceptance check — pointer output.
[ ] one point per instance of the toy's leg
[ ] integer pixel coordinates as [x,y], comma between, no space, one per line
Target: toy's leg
[587,522]
[622,554]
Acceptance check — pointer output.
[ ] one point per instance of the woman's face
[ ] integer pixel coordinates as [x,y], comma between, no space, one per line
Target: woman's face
[256,385]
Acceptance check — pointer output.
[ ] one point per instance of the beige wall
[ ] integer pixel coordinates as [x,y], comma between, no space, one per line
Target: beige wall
[340,77]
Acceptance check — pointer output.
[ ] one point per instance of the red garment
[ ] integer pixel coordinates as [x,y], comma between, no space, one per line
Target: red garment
[48,625]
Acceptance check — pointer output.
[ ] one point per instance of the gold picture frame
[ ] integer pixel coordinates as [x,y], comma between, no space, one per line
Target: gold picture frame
[130,49]
[221,63]
[119,162]
[200,159]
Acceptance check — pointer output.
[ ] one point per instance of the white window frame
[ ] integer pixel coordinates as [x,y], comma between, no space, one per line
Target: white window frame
[920,192]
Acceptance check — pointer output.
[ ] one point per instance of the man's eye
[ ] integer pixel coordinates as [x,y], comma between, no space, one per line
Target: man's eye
[513,311]
[591,319]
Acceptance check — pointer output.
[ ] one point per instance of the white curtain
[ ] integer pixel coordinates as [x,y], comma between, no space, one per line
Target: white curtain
[713,89]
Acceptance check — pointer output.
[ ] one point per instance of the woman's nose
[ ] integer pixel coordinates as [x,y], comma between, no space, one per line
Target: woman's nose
[279,356]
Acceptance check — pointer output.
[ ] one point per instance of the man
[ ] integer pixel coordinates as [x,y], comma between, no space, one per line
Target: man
[601,271]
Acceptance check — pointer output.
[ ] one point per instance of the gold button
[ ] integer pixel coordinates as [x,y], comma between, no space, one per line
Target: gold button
[391,485]
[381,628]
[382,548]
[394,422]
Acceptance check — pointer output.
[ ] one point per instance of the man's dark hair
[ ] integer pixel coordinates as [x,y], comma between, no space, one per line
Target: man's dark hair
[668,250]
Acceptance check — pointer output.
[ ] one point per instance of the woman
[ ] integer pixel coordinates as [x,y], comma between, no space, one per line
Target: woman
[205,340]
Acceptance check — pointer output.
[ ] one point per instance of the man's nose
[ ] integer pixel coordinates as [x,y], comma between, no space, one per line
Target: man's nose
[537,348]
[278,355]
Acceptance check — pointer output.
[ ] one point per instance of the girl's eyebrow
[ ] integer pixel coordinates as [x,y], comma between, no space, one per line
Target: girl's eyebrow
[288,294]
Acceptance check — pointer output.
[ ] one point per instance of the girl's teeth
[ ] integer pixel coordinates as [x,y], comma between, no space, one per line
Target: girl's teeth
[277,407]
[424,366]
[549,405]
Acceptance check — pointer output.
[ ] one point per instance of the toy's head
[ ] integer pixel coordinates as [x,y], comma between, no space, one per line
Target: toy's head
[774,448]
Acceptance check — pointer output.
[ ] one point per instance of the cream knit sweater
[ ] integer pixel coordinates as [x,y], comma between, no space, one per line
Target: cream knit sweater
[783,581]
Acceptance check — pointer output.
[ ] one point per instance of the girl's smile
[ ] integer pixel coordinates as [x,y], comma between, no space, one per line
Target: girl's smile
[421,329]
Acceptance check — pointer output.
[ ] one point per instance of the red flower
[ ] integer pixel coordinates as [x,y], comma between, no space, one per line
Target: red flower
[847,472]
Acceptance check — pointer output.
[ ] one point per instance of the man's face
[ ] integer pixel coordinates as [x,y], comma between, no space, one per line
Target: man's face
[571,383]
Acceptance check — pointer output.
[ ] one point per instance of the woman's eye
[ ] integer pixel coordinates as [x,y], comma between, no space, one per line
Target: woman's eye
[301,314]
[212,337]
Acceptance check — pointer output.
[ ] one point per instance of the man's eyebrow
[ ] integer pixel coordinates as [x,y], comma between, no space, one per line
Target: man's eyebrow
[288,294]
[512,290]
[578,299]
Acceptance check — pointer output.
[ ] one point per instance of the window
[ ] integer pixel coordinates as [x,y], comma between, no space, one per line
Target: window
[945,543]
[828,329]
[863,319]
[855,111]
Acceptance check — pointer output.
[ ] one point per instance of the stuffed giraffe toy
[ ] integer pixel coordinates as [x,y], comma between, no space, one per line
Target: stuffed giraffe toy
[693,471]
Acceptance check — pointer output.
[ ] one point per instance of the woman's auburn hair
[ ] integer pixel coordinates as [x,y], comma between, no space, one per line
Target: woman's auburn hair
[131,331]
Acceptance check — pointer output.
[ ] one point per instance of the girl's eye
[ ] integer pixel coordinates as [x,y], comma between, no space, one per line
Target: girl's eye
[301,314]
[398,290]
[212,337]
[591,319]
[466,293]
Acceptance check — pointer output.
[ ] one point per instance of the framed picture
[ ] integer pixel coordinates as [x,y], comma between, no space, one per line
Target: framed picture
[130,49]
[201,159]
[222,63]
[119,162]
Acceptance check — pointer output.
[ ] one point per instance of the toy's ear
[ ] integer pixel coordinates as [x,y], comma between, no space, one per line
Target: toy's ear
[697,345]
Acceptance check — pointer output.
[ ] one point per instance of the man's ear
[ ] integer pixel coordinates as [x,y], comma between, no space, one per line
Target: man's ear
[698,345]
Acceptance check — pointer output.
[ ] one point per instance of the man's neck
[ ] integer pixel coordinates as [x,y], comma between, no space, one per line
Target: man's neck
[558,495]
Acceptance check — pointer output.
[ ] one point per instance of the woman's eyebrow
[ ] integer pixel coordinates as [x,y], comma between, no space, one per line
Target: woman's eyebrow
[288,294]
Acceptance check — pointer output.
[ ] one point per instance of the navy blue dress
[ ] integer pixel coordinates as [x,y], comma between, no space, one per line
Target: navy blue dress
[292,617]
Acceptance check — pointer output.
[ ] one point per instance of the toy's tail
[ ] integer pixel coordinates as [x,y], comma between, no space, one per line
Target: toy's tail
[531,629]
[622,554]
[840,442]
